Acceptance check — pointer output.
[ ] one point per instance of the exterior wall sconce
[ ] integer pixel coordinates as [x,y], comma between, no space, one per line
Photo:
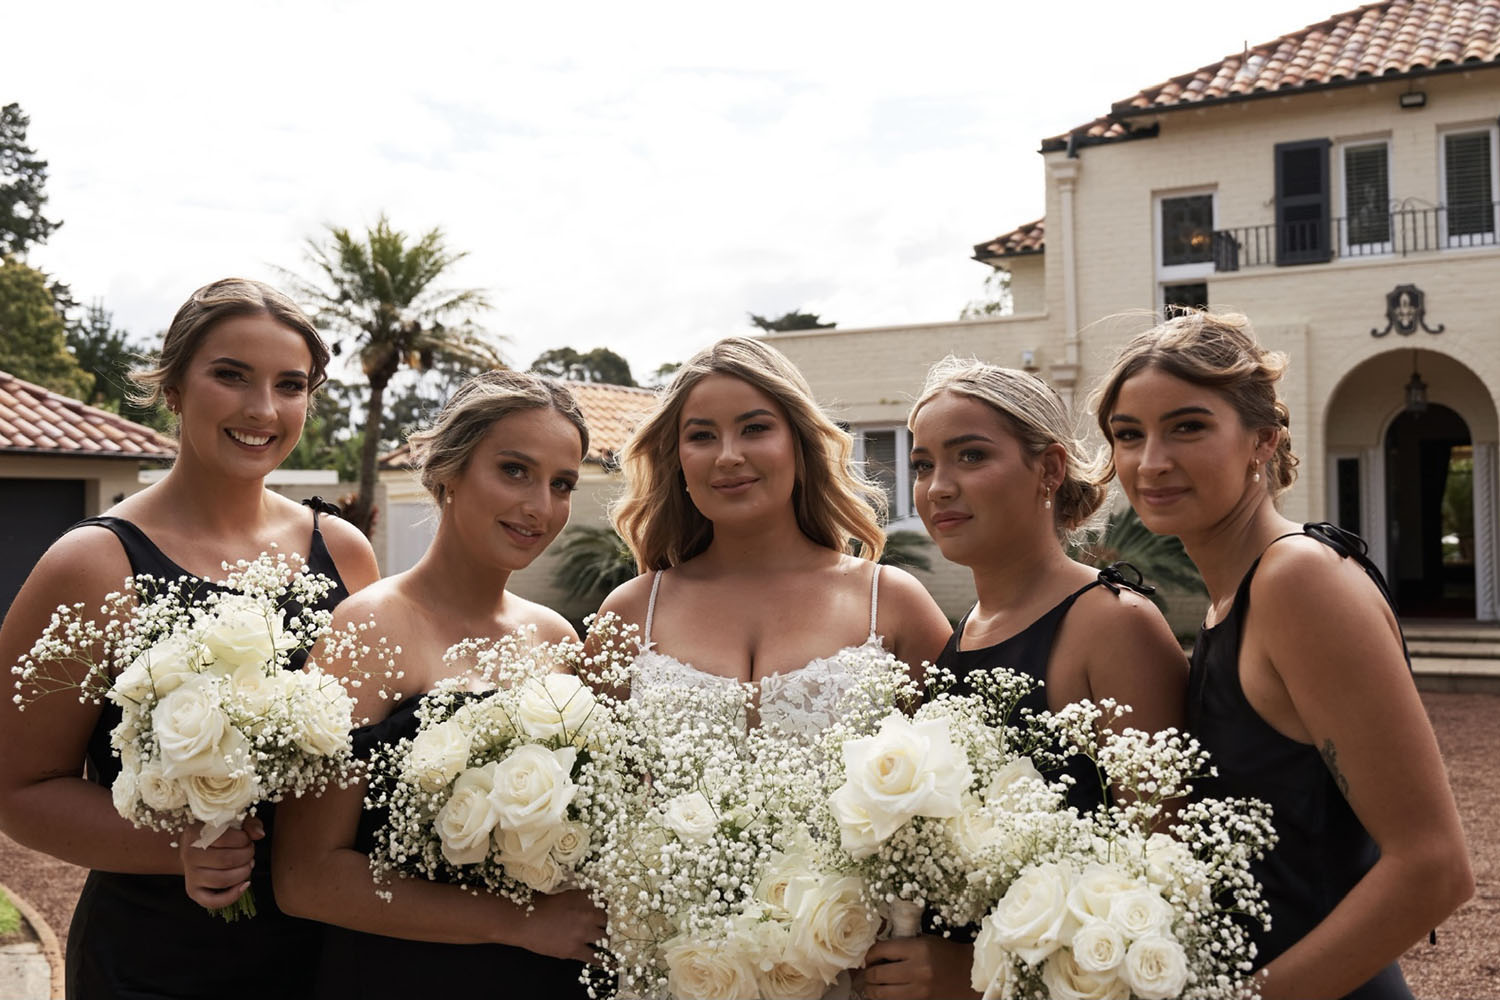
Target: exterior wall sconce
[1413,99]
[1416,391]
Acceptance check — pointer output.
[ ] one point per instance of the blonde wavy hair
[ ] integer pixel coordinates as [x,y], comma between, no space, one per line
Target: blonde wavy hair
[1217,351]
[1038,418]
[834,503]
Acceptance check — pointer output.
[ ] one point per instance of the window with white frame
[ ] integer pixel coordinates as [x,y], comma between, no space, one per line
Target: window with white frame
[1184,248]
[882,451]
[1470,187]
[1366,174]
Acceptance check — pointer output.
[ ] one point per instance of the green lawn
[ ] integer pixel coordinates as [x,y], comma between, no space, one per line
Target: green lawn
[10,917]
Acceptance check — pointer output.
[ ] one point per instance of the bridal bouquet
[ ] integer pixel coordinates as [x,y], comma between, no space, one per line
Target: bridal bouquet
[499,789]
[713,884]
[212,722]
[1126,912]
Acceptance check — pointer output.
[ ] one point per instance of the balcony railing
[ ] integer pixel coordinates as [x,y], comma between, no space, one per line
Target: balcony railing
[1399,233]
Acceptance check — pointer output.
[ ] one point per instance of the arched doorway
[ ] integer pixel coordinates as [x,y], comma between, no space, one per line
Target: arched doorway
[1429,476]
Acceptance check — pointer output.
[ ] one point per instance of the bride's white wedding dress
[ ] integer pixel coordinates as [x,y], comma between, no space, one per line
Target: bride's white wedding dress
[798,703]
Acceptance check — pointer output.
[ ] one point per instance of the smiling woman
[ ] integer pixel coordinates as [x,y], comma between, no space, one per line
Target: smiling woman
[237,368]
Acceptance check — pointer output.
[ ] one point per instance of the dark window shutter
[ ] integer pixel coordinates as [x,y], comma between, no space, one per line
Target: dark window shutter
[1302,202]
[1466,164]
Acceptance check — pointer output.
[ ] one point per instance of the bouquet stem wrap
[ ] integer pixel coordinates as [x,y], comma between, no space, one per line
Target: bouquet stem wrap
[906,918]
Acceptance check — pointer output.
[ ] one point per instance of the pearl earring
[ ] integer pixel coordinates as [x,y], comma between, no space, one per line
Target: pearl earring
[1047,503]
[1255,472]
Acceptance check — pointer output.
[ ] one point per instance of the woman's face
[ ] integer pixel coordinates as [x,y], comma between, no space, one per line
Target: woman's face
[516,491]
[973,483]
[1183,455]
[242,398]
[737,450]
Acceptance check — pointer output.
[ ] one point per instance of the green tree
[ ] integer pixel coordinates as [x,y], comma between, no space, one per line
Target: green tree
[793,320]
[664,372]
[599,365]
[33,336]
[23,182]
[379,293]
[329,438]
[996,300]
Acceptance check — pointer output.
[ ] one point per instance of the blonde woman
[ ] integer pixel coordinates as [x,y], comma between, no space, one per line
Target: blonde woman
[1299,685]
[999,482]
[501,462]
[740,508]
[238,368]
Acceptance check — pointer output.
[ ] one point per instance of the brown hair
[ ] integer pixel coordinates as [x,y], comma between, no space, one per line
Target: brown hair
[1218,352]
[1038,418]
[833,501]
[442,450]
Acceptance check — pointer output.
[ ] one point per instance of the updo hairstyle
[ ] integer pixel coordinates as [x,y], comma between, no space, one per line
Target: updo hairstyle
[1217,352]
[442,450]
[1038,418]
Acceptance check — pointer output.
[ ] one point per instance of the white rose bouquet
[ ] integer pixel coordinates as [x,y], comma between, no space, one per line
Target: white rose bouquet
[498,789]
[213,722]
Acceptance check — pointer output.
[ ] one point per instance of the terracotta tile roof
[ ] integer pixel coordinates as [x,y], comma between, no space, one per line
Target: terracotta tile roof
[1021,240]
[1396,38]
[36,421]
[611,411]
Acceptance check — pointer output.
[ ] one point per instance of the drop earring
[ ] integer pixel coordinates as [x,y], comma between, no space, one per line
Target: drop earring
[1255,472]
[1047,501]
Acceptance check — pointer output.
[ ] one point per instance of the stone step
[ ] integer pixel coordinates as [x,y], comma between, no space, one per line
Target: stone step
[1453,650]
[1476,675]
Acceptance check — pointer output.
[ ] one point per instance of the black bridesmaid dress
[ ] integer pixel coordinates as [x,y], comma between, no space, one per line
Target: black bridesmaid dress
[1323,849]
[139,937]
[361,966]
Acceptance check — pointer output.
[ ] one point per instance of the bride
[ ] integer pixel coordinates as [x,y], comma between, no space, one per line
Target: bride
[739,508]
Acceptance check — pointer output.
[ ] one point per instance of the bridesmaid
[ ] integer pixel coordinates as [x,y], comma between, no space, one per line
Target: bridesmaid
[1299,684]
[999,485]
[739,508]
[501,462]
[238,367]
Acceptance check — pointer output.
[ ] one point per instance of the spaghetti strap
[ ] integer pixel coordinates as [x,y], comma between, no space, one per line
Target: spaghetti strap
[651,608]
[874,599]
[321,506]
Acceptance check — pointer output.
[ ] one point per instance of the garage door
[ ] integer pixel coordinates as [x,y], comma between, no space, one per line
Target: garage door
[33,513]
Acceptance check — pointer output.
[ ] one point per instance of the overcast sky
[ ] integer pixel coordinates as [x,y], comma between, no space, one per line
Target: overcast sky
[634,175]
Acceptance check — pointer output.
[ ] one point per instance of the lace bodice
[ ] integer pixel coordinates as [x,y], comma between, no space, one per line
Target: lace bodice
[799,703]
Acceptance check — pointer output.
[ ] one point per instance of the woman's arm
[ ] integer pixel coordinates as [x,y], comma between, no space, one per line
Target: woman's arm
[45,801]
[351,553]
[1329,639]
[1129,655]
[914,627]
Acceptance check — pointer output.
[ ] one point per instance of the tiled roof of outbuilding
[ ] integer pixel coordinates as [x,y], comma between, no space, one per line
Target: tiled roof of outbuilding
[1396,38]
[37,421]
[1026,239]
[611,412]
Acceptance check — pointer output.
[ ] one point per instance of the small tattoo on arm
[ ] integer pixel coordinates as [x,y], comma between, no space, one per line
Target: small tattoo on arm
[1331,758]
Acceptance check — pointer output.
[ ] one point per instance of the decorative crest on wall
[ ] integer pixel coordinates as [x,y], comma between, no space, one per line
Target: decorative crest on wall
[1405,312]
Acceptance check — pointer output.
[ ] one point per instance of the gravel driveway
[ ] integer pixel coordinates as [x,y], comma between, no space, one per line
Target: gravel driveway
[1463,965]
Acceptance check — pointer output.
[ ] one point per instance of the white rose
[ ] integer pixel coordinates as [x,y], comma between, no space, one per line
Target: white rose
[1141,913]
[194,733]
[157,791]
[438,755]
[691,816]
[906,769]
[973,829]
[323,716]
[545,875]
[708,971]
[555,705]
[1033,919]
[219,800]
[160,669]
[1096,890]
[1098,946]
[787,980]
[465,821]
[859,834]
[244,631]
[253,689]
[123,792]
[993,973]
[511,849]
[783,870]
[832,925]
[1065,979]
[1018,777]
[1156,968]
[533,787]
[488,716]
[571,844]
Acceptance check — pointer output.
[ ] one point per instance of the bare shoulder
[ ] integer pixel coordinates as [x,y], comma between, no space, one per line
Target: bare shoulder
[1111,615]
[1301,579]
[629,600]
[904,591]
[351,552]
[382,601]
[550,626]
[85,562]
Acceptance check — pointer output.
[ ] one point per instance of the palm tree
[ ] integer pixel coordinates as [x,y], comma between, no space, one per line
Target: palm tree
[1160,558]
[905,549]
[595,560]
[377,294]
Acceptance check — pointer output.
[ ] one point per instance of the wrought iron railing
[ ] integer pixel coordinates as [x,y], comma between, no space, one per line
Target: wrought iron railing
[1400,232]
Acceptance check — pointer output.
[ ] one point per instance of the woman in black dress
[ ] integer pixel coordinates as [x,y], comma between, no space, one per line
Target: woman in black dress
[237,367]
[1299,686]
[1000,488]
[501,462]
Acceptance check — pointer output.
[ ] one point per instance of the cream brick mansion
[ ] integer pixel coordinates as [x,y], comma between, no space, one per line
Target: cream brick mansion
[1339,186]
